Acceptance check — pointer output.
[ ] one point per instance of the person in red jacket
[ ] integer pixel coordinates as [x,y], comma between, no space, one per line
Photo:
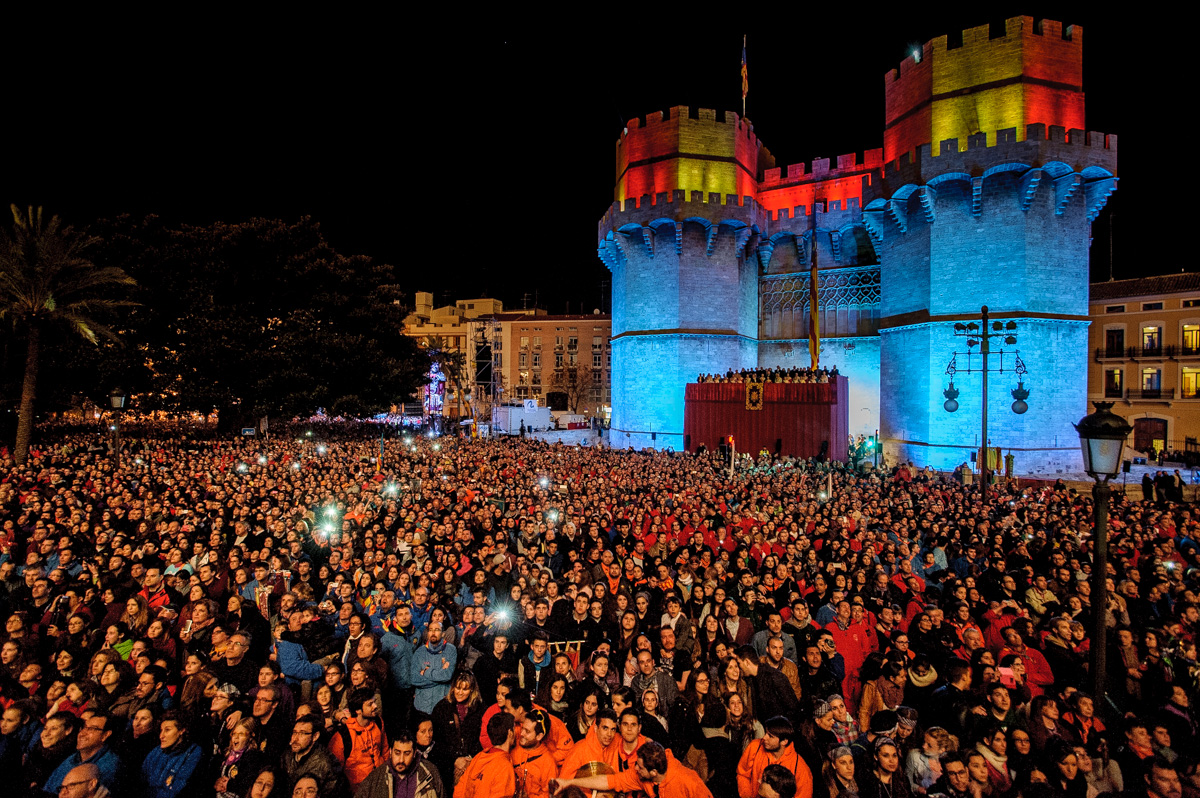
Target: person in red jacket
[740,629]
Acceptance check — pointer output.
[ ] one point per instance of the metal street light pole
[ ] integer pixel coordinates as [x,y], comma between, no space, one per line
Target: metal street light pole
[117,400]
[1099,647]
[982,336]
[984,350]
[1101,439]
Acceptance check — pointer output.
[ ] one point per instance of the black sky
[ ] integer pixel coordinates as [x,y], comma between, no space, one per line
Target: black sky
[477,154]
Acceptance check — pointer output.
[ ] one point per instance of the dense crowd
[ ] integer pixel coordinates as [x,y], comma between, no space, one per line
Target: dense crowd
[777,375]
[486,617]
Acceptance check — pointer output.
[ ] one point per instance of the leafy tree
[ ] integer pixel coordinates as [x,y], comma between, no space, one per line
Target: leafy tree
[46,281]
[261,317]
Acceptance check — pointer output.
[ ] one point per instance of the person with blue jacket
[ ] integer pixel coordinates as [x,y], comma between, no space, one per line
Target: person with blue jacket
[168,769]
[91,748]
[293,660]
[432,669]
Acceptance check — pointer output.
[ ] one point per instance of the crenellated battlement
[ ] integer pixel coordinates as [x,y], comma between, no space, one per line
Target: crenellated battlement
[1031,73]
[1068,38]
[833,214]
[1077,149]
[680,205]
[703,116]
[801,173]
[689,149]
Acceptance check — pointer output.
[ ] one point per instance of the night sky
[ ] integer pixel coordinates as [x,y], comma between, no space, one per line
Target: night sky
[477,154]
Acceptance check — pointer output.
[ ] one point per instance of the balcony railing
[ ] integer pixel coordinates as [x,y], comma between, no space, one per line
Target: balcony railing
[1114,393]
[1146,352]
[1151,393]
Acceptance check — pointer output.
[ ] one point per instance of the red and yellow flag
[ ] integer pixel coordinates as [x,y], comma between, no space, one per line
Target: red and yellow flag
[745,77]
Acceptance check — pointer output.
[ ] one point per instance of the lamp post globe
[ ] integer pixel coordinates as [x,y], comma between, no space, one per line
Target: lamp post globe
[1101,440]
[117,400]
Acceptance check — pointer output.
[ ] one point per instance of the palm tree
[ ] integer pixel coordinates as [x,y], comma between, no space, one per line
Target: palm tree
[46,280]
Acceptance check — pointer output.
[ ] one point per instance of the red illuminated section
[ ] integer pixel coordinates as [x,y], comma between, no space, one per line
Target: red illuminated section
[798,185]
[691,151]
[1032,73]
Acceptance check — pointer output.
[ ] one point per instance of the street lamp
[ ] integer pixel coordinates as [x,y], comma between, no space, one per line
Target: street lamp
[981,335]
[1101,439]
[117,400]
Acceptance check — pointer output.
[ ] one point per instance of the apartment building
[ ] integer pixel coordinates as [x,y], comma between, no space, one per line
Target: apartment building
[1145,346]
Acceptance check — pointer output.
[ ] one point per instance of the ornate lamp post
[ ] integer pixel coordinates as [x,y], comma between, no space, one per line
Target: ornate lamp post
[1101,438]
[981,335]
[117,400]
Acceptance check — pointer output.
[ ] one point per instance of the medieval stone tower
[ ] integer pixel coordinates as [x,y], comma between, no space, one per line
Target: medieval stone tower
[983,194]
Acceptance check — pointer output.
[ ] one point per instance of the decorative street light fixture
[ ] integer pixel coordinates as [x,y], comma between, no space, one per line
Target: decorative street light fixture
[981,335]
[1101,439]
[117,400]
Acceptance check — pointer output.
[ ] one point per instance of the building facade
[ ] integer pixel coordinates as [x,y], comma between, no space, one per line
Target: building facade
[531,355]
[1145,347]
[447,328]
[982,194]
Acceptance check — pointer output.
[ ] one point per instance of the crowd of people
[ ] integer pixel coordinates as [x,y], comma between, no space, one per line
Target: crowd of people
[317,616]
[777,375]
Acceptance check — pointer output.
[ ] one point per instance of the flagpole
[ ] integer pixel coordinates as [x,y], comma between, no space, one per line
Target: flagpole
[744,76]
[814,342]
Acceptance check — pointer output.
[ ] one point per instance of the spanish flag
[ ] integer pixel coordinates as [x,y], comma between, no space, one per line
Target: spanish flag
[745,77]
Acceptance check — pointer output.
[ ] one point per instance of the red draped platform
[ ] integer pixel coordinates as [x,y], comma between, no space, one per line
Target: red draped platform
[796,417]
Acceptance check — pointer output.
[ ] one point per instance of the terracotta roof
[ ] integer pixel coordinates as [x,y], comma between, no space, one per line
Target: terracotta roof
[1146,286]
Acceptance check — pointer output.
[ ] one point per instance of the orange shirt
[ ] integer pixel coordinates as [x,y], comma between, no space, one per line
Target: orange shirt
[490,775]
[680,781]
[616,752]
[755,760]
[534,768]
[368,750]
[588,750]
[559,740]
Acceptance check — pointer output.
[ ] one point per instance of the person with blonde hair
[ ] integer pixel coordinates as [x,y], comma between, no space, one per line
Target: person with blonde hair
[457,723]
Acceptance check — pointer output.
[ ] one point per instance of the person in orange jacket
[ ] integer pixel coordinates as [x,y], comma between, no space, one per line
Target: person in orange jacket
[532,761]
[656,772]
[624,749]
[518,704]
[490,774]
[360,745]
[596,746]
[774,748]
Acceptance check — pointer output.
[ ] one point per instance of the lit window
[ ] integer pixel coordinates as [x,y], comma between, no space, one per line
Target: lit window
[1151,339]
[1191,383]
[1191,338]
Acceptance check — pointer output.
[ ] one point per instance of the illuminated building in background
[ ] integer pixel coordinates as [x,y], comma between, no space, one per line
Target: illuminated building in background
[1145,347]
[983,194]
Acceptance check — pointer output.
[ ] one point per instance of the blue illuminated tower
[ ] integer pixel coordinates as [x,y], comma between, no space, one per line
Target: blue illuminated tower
[987,199]
[983,194]
[684,274]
